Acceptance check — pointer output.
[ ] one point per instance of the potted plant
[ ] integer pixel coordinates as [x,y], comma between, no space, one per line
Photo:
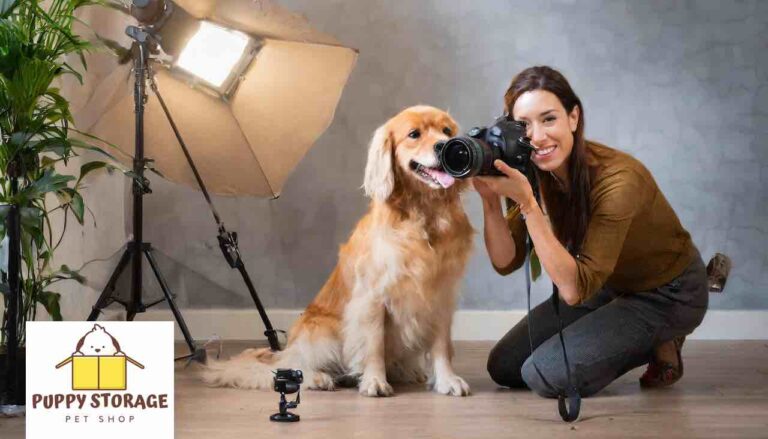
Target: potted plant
[37,139]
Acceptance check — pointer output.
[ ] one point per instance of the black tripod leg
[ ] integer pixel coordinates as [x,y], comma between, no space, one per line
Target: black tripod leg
[171,302]
[110,287]
[227,241]
[269,332]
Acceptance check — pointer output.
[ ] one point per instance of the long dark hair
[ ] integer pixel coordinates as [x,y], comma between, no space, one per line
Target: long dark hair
[569,211]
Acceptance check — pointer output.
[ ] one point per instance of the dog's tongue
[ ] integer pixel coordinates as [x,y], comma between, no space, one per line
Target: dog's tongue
[444,179]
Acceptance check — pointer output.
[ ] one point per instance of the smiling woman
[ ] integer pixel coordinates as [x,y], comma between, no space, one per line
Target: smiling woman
[632,281]
[550,129]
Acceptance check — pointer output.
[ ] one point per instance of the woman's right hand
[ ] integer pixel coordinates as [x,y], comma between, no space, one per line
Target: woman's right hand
[498,240]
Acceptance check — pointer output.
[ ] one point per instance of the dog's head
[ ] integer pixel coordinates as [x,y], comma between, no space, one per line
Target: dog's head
[402,155]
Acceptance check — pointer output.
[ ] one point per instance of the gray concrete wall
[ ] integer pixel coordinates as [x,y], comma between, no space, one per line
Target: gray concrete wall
[680,85]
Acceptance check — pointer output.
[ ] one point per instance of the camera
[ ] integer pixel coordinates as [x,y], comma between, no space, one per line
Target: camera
[287,381]
[473,154]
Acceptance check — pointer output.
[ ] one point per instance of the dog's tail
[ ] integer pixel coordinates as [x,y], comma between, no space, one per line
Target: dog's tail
[251,369]
[314,347]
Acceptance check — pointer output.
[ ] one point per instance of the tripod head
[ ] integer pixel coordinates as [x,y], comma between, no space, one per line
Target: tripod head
[139,34]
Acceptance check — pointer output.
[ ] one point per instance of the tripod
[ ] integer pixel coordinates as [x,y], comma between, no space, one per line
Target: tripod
[136,248]
[284,415]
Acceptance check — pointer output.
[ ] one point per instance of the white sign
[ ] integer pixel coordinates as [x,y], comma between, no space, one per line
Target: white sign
[100,380]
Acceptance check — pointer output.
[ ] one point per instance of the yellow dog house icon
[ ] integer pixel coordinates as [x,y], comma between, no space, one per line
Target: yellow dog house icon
[98,363]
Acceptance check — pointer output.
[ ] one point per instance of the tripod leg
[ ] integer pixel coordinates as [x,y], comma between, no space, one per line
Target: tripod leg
[269,332]
[169,299]
[110,287]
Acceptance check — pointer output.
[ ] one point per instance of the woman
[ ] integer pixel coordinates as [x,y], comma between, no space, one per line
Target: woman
[632,284]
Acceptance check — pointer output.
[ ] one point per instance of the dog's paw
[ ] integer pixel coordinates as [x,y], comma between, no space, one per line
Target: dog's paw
[450,385]
[375,386]
[320,381]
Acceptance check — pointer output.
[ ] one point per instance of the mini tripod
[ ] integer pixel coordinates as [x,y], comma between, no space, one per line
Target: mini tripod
[285,415]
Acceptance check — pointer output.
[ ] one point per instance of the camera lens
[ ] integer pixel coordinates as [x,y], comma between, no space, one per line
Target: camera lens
[464,157]
[457,158]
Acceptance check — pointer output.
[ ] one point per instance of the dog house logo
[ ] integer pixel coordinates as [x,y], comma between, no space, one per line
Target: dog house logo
[98,363]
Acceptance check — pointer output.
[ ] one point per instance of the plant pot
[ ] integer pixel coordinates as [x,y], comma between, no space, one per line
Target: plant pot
[5,397]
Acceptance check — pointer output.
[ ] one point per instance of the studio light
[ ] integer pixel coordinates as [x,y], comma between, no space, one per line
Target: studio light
[225,96]
[216,55]
[248,131]
[199,50]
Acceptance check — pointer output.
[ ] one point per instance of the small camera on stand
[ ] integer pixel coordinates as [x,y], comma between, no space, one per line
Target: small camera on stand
[287,381]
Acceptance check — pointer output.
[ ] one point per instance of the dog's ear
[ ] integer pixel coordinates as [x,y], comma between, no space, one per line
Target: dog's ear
[379,178]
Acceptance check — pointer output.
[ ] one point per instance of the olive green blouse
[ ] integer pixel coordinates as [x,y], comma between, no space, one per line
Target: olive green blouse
[634,240]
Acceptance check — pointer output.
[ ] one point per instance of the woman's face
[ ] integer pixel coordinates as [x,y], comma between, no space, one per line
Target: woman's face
[550,128]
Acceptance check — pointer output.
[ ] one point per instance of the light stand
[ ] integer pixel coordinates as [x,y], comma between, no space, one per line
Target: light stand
[137,247]
[227,240]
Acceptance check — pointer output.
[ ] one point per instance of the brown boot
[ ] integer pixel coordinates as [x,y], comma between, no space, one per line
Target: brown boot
[661,373]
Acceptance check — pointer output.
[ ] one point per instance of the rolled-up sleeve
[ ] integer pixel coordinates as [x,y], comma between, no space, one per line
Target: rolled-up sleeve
[613,209]
[518,231]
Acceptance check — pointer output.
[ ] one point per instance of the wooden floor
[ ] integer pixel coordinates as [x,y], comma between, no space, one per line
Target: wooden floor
[724,394]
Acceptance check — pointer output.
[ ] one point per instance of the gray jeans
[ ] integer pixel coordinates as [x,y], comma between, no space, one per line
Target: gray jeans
[605,337]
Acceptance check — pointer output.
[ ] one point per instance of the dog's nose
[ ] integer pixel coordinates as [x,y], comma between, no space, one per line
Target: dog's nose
[98,350]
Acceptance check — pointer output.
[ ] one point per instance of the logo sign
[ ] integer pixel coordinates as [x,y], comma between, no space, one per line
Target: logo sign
[99,380]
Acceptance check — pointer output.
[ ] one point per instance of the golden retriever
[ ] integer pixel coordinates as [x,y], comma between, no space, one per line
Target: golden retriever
[385,313]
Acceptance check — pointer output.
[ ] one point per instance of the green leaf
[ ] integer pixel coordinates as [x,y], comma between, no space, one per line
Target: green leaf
[60,147]
[69,70]
[72,274]
[83,145]
[78,207]
[31,222]
[31,217]
[65,196]
[91,166]
[535,265]
[19,139]
[49,182]
[51,302]
[28,242]
[47,162]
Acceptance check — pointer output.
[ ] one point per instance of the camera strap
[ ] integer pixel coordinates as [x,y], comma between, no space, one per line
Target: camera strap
[568,402]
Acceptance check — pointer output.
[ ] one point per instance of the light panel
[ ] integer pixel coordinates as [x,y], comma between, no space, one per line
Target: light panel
[213,53]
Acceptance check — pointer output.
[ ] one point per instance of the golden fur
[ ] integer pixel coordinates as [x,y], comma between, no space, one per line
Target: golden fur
[385,313]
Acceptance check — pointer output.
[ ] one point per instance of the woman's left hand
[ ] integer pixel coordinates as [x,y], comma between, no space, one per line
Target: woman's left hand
[513,184]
